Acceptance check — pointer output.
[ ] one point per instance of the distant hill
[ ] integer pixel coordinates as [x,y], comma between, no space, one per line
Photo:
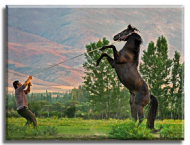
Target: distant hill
[40,37]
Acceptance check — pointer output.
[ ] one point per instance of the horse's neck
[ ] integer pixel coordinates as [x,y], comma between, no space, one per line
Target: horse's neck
[129,47]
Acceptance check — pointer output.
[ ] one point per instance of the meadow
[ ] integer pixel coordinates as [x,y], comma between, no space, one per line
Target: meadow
[55,128]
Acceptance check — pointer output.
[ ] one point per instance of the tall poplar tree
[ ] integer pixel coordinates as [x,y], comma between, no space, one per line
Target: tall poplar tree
[96,81]
[180,93]
[155,69]
[102,85]
[175,76]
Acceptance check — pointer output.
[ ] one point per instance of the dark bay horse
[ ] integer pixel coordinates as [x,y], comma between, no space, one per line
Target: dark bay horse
[125,63]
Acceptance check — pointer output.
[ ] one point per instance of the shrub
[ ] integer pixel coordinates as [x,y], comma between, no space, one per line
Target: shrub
[12,114]
[172,131]
[70,112]
[55,113]
[80,114]
[130,130]
[34,106]
[49,130]
[88,115]
[44,114]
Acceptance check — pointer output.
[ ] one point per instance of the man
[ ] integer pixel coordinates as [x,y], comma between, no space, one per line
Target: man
[21,101]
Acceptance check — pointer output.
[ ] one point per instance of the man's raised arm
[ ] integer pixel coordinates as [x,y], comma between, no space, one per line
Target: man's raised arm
[27,81]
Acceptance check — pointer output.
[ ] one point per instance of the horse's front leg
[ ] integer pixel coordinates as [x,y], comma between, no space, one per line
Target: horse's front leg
[117,57]
[110,60]
[115,52]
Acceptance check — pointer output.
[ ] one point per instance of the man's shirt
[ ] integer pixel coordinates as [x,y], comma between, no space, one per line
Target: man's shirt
[20,97]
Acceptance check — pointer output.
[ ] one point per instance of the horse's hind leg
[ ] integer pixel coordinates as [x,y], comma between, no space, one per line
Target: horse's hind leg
[133,107]
[141,99]
[140,113]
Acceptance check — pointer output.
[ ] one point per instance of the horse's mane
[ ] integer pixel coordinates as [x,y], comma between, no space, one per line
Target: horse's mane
[138,41]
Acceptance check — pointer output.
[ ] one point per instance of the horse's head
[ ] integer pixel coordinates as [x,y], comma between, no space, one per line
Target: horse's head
[123,36]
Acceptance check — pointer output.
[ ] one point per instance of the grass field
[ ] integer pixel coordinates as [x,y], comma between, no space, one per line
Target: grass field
[79,129]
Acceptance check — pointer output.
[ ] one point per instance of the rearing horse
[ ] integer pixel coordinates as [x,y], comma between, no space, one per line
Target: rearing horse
[125,63]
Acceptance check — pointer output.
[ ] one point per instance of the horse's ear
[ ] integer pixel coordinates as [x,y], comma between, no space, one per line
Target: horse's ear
[129,26]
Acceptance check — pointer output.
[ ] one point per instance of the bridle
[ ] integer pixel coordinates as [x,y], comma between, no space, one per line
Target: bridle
[124,36]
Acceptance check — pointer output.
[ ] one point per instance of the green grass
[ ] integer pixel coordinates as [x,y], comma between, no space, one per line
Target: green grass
[79,129]
[86,130]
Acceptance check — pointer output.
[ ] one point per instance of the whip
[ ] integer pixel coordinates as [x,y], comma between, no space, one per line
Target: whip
[70,59]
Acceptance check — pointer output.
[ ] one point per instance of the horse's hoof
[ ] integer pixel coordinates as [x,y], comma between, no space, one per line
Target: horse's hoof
[97,67]
[156,130]
[99,51]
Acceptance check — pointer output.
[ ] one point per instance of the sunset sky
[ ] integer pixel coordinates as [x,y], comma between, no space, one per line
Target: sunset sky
[39,36]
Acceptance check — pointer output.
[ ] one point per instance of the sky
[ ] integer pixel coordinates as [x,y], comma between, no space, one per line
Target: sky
[77,27]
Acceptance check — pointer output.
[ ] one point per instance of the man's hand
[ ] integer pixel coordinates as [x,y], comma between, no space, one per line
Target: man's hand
[28,88]
[30,77]
[27,81]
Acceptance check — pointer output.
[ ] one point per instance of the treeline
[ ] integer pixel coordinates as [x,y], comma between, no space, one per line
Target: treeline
[102,95]
[69,104]
[52,104]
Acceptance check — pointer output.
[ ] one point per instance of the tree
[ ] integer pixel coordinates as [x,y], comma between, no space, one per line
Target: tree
[77,93]
[57,106]
[174,80]
[80,95]
[74,94]
[71,108]
[34,106]
[47,107]
[96,81]
[102,85]
[48,95]
[11,102]
[119,102]
[43,103]
[72,103]
[155,70]
[180,93]
[32,97]
[65,98]
[70,112]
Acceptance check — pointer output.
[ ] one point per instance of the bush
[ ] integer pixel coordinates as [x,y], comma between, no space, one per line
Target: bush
[44,114]
[88,115]
[12,114]
[37,114]
[80,114]
[55,113]
[34,106]
[51,114]
[130,130]
[70,112]
[172,131]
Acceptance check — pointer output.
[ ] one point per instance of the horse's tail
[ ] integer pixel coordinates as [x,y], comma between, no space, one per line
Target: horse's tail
[153,105]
